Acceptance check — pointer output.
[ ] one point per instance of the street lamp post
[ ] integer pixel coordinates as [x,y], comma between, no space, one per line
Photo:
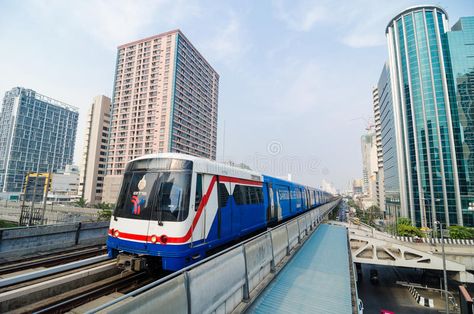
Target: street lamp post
[446,298]
[432,214]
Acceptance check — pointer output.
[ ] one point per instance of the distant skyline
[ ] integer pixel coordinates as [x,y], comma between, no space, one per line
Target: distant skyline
[295,78]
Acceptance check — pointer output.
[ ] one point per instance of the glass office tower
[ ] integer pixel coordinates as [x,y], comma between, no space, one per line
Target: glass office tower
[37,134]
[459,46]
[425,116]
[389,147]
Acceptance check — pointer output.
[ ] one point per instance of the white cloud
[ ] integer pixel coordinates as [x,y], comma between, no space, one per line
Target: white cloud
[354,23]
[112,22]
[301,15]
[229,43]
[294,89]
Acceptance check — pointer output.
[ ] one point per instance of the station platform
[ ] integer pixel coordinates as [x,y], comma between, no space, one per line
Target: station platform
[316,280]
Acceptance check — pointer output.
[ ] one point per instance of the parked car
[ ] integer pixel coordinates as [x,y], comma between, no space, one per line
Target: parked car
[360,306]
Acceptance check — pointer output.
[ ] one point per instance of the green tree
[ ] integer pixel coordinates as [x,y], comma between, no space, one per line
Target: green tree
[104,205]
[409,231]
[104,214]
[353,204]
[405,229]
[8,224]
[460,232]
[81,202]
[403,221]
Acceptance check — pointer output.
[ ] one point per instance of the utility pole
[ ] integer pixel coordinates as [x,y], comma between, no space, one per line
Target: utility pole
[33,199]
[445,277]
[45,194]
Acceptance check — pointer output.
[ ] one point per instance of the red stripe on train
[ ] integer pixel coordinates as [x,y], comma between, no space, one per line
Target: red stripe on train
[242,181]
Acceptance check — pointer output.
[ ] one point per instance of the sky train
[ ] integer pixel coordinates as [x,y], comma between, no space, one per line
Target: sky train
[175,209]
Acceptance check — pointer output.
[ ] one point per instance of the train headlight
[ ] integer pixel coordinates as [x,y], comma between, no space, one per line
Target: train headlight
[163,239]
[154,239]
[116,233]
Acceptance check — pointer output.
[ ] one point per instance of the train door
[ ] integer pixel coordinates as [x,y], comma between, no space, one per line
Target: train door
[303,199]
[271,209]
[235,213]
[276,199]
[224,212]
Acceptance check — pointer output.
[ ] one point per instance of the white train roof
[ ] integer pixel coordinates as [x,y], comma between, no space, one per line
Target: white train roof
[208,166]
[205,165]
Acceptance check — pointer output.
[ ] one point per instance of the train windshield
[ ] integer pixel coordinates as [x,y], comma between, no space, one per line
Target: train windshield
[154,194]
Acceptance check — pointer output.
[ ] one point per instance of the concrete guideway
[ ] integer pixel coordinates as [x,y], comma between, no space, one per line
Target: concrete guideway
[52,270]
[370,246]
[43,289]
[304,280]
[232,278]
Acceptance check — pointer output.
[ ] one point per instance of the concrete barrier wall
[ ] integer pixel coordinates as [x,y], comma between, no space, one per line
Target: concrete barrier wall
[258,259]
[302,227]
[293,234]
[170,297]
[279,243]
[17,242]
[219,284]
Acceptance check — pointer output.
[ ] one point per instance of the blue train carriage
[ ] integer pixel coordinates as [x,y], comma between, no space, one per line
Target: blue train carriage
[174,209]
[289,199]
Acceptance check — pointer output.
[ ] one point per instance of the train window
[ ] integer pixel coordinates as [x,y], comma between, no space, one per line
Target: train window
[123,191]
[172,197]
[240,194]
[160,164]
[223,195]
[253,195]
[298,195]
[247,195]
[198,198]
[160,196]
[260,195]
[136,198]
[283,194]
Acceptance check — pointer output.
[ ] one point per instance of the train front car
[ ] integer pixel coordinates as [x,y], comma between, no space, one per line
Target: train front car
[152,214]
[175,209]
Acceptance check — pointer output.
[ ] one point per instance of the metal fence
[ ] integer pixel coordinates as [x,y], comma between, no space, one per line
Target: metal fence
[53,213]
[221,283]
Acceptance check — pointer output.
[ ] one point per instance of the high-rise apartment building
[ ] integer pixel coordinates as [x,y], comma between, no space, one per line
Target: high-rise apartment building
[94,156]
[379,174]
[369,165]
[357,187]
[388,131]
[428,132]
[37,134]
[165,100]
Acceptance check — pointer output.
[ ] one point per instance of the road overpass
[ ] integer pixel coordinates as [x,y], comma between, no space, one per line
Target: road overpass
[370,246]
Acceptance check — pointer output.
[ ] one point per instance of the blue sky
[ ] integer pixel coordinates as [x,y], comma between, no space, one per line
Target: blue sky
[295,76]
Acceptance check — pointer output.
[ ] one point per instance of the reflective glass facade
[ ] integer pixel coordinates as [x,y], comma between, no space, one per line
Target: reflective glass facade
[460,69]
[425,116]
[388,145]
[37,134]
